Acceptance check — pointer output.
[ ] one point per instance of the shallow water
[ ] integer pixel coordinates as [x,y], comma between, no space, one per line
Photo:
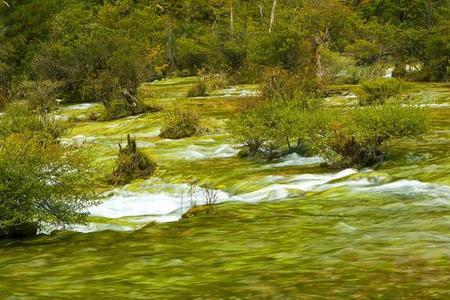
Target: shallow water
[284,229]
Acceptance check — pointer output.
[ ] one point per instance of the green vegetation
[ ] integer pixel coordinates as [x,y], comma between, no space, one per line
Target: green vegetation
[42,183]
[20,118]
[310,122]
[131,164]
[210,197]
[345,138]
[378,91]
[180,124]
[360,137]
[199,89]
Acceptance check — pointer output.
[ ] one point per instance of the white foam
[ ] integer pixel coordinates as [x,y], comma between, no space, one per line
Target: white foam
[299,183]
[294,159]
[194,152]
[389,73]
[162,202]
[81,106]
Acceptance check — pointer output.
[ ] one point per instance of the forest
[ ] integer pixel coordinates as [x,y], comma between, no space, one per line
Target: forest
[224,149]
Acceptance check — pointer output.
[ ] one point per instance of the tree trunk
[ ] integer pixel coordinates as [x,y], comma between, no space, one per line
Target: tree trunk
[131,100]
[318,59]
[272,15]
[232,18]
[170,44]
[318,41]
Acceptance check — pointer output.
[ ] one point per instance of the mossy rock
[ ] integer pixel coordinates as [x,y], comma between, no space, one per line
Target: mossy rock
[20,231]
[199,210]
[132,164]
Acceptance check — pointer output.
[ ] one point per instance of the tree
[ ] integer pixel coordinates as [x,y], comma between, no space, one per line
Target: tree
[42,183]
[327,24]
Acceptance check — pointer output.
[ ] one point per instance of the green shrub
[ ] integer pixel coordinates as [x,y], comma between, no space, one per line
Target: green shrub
[344,138]
[377,91]
[217,81]
[119,108]
[42,182]
[131,164]
[360,137]
[199,89]
[354,74]
[279,83]
[180,124]
[116,109]
[274,125]
[40,95]
[19,118]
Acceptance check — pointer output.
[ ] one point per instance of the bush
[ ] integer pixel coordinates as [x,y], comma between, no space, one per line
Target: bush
[180,124]
[19,118]
[119,108]
[274,125]
[377,91]
[42,182]
[40,95]
[210,197]
[131,164]
[217,81]
[279,83]
[358,138]
[199,89]
[351,138]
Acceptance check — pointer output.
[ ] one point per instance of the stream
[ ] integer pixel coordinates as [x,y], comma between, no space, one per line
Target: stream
[284,229]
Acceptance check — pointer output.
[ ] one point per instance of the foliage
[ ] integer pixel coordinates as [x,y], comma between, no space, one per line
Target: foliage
[282,122]
[94,49]
[42,183]
[131,164]
[40,95]
[199,89]
[279,83]
[354,74]
[345,138]
[358,138]
[364,51]
[180,124]
[377,91]
[20,118]
[217,81]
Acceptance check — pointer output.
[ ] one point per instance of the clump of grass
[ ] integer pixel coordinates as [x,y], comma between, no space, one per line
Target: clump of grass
[181,124]
[199,89]
[131,164]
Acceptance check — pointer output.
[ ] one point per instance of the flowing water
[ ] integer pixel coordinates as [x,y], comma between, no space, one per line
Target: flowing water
[284,229]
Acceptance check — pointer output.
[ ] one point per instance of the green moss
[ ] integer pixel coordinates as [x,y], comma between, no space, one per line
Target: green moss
[199,210]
